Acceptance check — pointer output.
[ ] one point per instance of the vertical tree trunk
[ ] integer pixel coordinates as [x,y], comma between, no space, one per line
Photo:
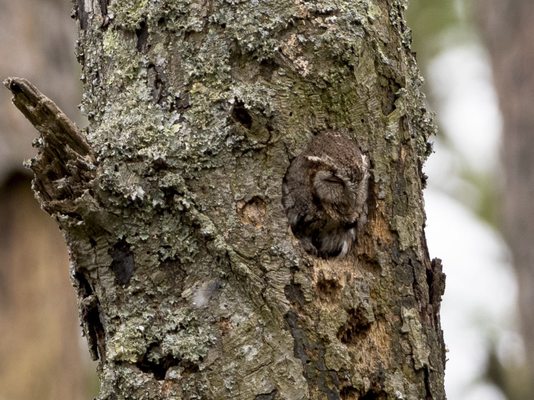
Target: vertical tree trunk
[190,281]
[507,28]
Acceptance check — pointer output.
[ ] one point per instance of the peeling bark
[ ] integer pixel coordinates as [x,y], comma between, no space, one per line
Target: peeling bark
[190,282]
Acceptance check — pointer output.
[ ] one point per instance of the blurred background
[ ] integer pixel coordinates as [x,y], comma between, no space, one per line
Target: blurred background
[476,58]
[42,353]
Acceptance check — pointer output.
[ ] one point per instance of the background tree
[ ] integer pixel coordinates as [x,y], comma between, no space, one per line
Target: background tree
[189,280]
[507,30]
[463,202]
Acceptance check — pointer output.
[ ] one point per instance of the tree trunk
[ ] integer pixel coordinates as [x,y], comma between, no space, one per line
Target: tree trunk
[191,283]
[508,31]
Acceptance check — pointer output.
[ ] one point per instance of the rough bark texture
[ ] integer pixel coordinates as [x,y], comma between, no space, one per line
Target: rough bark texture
[508,30]
[190,283]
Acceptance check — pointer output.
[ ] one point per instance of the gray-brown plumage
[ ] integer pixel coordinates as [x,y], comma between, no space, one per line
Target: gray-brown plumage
[324,193]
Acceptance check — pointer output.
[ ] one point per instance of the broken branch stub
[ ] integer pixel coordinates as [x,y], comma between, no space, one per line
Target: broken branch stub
[65,163]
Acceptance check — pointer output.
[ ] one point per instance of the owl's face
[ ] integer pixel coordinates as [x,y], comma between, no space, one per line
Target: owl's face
[334,191]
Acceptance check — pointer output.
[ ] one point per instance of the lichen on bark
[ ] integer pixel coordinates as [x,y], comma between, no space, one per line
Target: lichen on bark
[190,282]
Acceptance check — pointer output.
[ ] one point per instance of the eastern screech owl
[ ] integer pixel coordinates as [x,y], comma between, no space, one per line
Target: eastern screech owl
[324,193]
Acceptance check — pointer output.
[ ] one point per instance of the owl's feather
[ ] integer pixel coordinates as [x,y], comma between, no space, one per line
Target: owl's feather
[324,193]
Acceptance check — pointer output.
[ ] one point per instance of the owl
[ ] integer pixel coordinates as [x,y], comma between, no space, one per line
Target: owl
[324,194]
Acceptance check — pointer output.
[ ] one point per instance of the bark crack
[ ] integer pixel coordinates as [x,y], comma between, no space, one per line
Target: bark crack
[311,354]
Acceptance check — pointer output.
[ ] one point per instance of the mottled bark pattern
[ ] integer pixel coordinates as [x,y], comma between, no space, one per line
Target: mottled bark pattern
[191,284]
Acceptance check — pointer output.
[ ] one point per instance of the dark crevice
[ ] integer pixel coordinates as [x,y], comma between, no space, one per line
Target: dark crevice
[294,294]
[93,327]
[169,194]
[156,82]
[390,83]
[189,367]
[142,36]
[159,164]
[349,393]
[241,114]
[311,354]
[299,348]
[422,175]
[418,286]
[158,368]
[324,11]
[81,14]
[158,365]
[96,331]
[104,7]
[181,103]
[123,263]
[267,396]
[84,288]
[376,391]
[356,326]
[373,395]
[391,96]
[96,336]
[267,69]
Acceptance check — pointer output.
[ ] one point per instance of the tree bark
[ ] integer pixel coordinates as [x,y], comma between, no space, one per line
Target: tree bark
[507,30]
[191,284]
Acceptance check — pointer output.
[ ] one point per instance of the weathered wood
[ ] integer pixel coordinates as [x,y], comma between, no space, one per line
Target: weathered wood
[65,163]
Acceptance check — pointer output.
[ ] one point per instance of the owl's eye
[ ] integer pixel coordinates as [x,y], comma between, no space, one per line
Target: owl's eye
[334,179]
